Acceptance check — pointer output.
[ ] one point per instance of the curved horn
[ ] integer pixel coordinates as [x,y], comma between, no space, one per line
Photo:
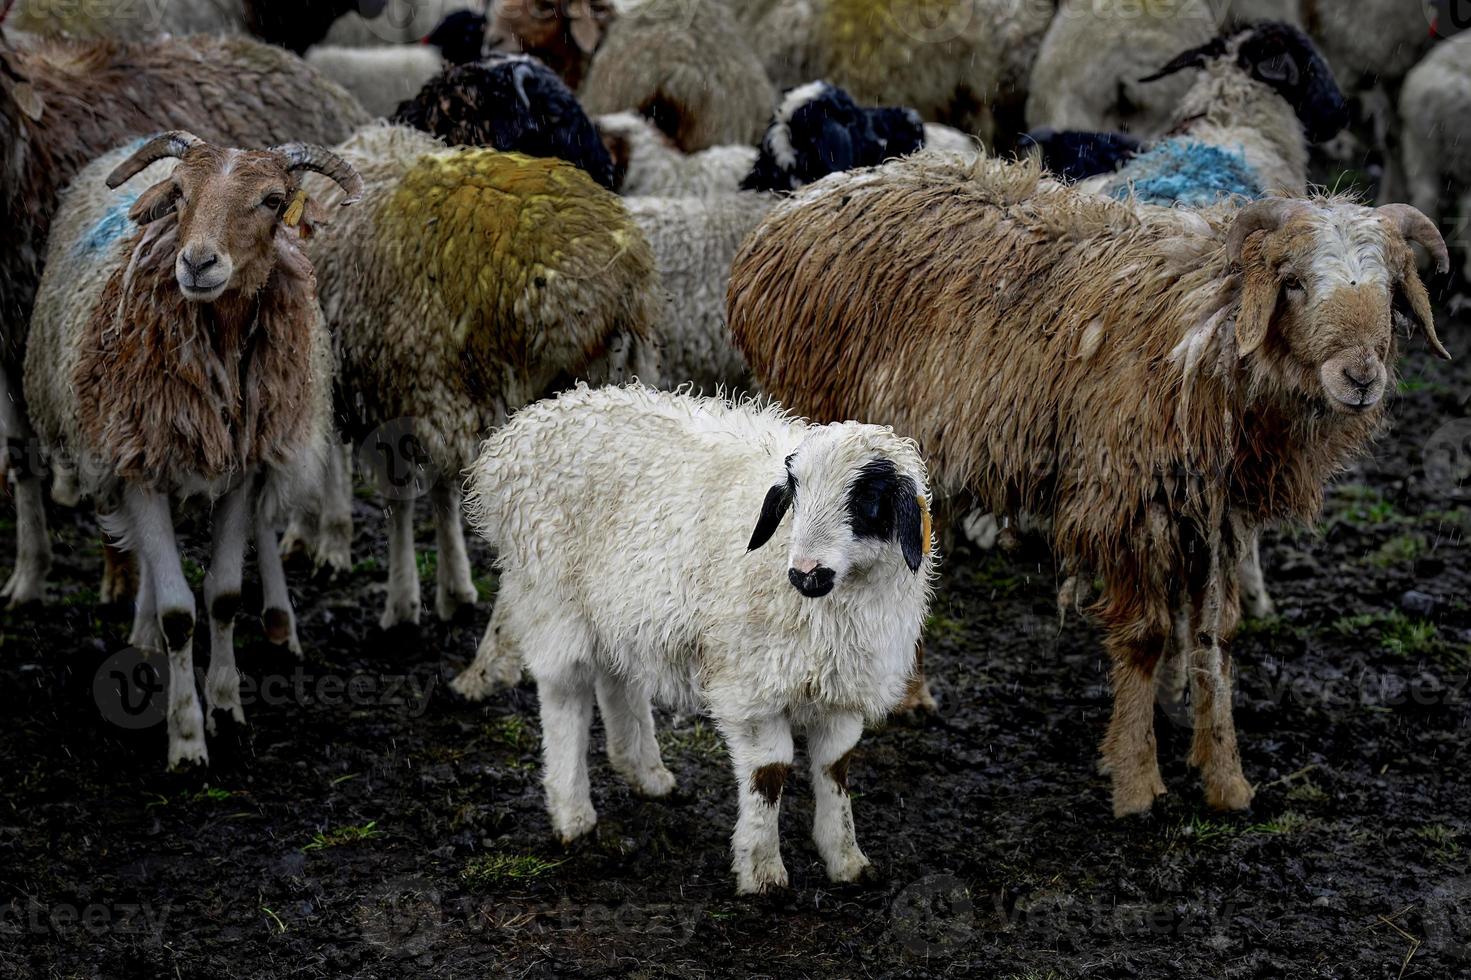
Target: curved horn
[519,73]
[1416,227]
[174,143]
[1267,214]
[306,156]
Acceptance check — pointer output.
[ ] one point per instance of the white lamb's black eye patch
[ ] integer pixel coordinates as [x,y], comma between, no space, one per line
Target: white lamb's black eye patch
[871,500]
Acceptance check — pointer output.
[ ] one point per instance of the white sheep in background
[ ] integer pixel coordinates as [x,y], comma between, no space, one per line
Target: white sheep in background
[1436,107]
[188,358]
[621,518]
[648,164]
[1087,72]
[695,240]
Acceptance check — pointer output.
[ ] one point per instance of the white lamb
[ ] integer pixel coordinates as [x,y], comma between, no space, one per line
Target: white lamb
[620,519]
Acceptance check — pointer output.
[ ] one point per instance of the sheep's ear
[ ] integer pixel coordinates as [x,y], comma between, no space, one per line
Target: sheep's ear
[1194,58]
[1259,290]
[766,175]
[159,200]
[303,213]
[912,525]
[773,509]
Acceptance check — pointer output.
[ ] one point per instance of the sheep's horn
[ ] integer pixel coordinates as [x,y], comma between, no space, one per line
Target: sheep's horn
[1267,214]
[519,73]
[306,156]
[174,143]
[1416,227]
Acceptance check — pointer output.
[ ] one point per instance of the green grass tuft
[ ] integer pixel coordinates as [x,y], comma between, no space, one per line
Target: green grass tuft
[494,869]
[338,836]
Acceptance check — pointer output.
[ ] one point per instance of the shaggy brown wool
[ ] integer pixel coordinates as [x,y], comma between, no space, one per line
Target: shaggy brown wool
[94,96]
[170,391]
[1093,361]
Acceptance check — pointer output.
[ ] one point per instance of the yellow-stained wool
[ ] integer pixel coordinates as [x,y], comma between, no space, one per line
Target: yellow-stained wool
[468,282]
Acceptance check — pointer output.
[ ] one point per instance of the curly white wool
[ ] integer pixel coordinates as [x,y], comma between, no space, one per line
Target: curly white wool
[621,519]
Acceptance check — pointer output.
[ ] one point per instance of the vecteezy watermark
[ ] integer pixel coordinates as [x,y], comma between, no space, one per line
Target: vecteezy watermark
[938,915]
[408,915]
[395,458]
[93,918]
[131,689]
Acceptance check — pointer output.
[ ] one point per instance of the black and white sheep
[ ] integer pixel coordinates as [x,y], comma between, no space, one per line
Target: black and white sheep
[509,102]
[808,623]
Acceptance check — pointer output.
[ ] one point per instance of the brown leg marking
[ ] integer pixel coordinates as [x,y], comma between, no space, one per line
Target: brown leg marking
[1129,752]
[769,780]
[838,771]
[917,698]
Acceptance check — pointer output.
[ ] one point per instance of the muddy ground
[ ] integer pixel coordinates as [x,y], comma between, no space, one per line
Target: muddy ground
[367,822]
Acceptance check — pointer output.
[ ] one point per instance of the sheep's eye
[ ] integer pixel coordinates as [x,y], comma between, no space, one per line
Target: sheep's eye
[869,505]
[1292,284]
[272,202]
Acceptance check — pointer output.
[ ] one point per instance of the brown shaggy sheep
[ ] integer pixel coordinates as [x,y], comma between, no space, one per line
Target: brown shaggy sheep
[1158,382]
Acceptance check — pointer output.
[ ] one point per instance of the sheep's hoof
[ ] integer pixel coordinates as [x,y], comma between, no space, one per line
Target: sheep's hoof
[852,868]
[399,614]
[575,824]
[918,702]
[24,588]
[451,605]
[650,783]
[1137,797]
[187,754]
[1230,793]
[769,879]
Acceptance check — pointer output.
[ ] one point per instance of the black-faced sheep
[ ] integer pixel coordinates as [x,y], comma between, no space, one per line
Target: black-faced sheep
[509,102]
[188,358]
[1157,382]
[1076,155]
[688,67]
[64,103]
[818,129]
[467,283]
[1263,94]
[807,623]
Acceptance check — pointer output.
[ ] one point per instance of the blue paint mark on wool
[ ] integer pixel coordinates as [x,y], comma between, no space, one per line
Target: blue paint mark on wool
[1190,173]
[109,228]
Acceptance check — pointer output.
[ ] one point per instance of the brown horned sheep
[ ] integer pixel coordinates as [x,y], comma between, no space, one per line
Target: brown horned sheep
[1158,382]
[64,103]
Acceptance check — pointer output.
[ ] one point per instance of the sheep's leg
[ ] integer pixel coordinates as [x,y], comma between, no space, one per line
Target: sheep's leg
[1213,748]
[278,619]
[761,752]
[1422,174]
[326,535]
[566,696]
[830,744]
[145,634]
[1129,753]
[633,749]
[454,586]
[1253,582]
[27,582]
[917,696]
[402,604]
[222,599]
[121,576]
[150,531]
[498,659]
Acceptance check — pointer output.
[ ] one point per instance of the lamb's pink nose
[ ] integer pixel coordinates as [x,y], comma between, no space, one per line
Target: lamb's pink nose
[805,566]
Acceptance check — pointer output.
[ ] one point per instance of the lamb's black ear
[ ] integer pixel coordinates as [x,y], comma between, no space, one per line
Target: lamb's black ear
[910,526]
[1193,58]
[773,509]
[766,175]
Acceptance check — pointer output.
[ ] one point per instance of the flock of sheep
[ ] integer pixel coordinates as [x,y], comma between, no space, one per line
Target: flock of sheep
[1062,262]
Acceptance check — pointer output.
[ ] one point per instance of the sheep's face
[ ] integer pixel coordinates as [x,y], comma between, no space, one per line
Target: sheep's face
[228,204]
[1321,295]
[857,498]
[553,27]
